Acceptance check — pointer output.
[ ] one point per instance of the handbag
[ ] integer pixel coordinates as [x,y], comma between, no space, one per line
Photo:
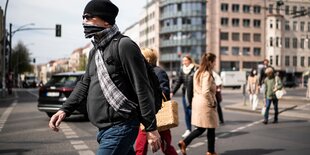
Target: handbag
[167,117]
[263,110]
[279,93]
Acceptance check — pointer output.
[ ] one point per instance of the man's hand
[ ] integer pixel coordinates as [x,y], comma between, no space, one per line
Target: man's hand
[154,140]
[56,120]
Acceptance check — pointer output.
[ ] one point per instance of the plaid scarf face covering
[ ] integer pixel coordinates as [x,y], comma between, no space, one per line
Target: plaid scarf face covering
[113,95]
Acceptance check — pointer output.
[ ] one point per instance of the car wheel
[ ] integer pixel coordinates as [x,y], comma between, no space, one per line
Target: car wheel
[49,114]
[86,116]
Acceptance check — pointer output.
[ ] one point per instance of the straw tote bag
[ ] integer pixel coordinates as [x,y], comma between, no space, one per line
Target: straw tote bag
[167,117]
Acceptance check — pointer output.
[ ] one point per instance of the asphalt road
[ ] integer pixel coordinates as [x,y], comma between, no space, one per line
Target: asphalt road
[24,131]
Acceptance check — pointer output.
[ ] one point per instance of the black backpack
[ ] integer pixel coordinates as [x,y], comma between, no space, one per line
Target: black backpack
[154,82]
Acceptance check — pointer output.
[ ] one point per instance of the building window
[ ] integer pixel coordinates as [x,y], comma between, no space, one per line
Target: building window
[295,42]
[257,51]
[287,10]
[287,60]
[308,42]
[277,41]
[186,21]
[309,26]
[224,7]
[270,8]
[277,60]
[294,10]
[246,8]
[277,24]
[246,51]
[302,43]
[235,50]
[287,42]
[256,9]
[235,22]
[179,5]
[295,61]
[271,60]
[302,61]
[246,37]
[271,24]
[287,25]
[224,21]
[246,22]
[295,26]
[308,61]
[235,8]
[224,36]
[224,50]
[256,23]
[235,36]
[257,37]
[271,42]
[302,26]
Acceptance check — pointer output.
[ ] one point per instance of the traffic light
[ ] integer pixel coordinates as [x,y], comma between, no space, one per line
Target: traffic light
[58,30]
[34,60]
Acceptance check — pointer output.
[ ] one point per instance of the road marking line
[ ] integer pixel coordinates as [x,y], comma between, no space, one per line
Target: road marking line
[224,134]
[78,145]
[6,114]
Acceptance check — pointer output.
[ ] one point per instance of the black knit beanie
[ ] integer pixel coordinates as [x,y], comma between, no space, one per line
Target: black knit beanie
[103,9]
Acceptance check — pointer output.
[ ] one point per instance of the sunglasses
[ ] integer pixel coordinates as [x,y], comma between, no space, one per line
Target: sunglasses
[87,16]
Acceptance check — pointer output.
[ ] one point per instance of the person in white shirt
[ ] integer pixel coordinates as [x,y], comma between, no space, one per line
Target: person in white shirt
[218,95]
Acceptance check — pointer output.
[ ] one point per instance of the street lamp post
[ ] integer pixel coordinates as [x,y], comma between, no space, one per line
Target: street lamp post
[21,28]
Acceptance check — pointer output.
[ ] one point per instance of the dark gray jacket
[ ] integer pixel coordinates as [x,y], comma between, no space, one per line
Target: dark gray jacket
[131,78]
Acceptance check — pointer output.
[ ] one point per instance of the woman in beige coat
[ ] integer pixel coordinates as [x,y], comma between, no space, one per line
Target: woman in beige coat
[204,114]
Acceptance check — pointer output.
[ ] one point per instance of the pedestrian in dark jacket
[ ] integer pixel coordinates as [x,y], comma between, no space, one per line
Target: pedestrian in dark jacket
[117,101]
[141,143]
[186,79]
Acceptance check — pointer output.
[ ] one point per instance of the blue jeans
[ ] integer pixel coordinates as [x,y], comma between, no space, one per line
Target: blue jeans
[118,139]
[275,106]
[187,113]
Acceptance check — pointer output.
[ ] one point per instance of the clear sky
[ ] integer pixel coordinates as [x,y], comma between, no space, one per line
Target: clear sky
[42,44]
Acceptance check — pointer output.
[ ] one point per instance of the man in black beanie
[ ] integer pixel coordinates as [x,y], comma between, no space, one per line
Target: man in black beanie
[118,92]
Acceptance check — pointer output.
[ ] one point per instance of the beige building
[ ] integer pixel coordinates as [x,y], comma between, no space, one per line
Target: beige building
[149,26]
[287,37]
[236,32]
[133,32]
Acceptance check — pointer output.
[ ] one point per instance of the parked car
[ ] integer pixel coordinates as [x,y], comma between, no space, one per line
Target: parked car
[30,81]
[56,91]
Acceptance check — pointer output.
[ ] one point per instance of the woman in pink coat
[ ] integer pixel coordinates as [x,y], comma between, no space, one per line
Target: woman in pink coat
[204,113]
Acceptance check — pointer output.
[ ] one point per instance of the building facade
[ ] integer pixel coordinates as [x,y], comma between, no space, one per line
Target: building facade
[287,37]
[241,33]
[182,31]
[236,33]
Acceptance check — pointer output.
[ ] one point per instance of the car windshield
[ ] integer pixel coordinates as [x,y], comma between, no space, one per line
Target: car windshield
[63,81]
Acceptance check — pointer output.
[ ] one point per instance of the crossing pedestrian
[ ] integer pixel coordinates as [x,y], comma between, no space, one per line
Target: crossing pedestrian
[253,88]
[218,95]
[204,112]
[186,79]
[141,141]
[119,96]
[272,84]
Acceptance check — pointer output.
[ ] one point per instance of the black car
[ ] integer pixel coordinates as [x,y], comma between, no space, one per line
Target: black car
[56,91]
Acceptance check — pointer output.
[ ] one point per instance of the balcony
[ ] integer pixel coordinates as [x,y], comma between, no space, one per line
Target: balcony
[182,28]
[196,13]
[182,42]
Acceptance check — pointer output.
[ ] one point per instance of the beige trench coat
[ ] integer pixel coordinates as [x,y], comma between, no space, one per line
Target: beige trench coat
[204,111]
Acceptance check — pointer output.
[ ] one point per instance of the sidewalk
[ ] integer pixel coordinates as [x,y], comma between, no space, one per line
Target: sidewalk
[291,106]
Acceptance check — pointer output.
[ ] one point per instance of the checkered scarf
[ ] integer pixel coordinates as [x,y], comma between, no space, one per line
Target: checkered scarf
[113,95]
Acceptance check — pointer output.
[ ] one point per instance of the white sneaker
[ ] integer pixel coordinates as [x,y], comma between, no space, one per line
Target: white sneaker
[187,132]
